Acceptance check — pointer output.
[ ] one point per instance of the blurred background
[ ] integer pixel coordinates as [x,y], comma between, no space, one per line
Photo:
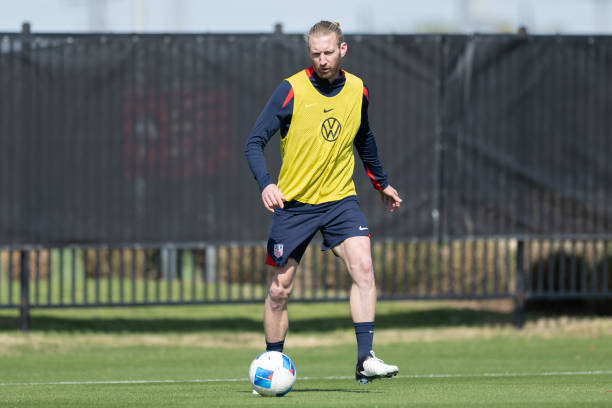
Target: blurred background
[123,123]
[360,16]
[123,182]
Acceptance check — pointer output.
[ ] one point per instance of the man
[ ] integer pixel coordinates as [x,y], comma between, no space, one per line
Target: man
[321,113]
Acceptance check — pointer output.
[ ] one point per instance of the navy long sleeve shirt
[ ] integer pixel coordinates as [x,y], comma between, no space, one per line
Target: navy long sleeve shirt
[276,116]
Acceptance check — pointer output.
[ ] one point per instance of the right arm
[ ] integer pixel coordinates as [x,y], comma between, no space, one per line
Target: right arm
[275,116]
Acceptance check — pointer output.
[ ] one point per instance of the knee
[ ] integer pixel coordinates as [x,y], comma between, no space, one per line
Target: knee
[364,272]
[278,295]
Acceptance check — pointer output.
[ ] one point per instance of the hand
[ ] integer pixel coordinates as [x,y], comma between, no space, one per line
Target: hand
[272,197]
[390,198]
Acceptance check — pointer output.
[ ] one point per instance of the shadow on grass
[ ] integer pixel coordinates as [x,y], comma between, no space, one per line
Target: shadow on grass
[439,317]
[336,390]
[328,390]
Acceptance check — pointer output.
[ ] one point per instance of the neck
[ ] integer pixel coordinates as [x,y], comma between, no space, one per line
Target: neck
[333,78]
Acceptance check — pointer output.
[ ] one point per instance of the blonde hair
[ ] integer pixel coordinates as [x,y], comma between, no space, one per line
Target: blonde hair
[324,27]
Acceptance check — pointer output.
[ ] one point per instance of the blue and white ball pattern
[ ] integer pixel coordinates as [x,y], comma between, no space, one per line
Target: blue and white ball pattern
[272,374]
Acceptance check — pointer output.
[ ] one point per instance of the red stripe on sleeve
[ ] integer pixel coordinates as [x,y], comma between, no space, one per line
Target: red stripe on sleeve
[375,183]
[365,92]
[309,71]
[288,98]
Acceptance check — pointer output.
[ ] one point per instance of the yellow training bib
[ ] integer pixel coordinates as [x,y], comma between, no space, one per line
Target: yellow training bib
[317,152]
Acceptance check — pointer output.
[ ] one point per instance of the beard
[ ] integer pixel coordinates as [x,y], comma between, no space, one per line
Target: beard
[330,71]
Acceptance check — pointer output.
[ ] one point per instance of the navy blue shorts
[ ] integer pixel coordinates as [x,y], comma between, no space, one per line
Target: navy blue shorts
[294,226]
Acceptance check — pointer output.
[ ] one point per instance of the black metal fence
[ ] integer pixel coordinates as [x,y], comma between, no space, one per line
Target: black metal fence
[139,138]
[520,269]
[117,152]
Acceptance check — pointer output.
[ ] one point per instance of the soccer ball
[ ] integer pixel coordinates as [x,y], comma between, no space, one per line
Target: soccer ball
[272,374]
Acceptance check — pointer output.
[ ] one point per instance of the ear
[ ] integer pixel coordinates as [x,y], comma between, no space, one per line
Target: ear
[343,49]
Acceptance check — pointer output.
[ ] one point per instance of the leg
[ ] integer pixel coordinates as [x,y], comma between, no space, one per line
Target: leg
[355,252]
[290,233]
[276,316]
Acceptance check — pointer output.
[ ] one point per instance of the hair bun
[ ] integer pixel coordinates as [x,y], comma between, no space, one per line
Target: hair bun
[325,27]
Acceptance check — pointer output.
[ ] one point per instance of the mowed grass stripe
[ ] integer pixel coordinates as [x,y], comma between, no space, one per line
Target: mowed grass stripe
[415,376]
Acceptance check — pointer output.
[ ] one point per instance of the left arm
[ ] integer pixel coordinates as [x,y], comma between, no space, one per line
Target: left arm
[365,145]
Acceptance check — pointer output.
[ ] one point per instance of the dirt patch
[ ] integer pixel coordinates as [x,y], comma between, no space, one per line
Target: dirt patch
[545,328]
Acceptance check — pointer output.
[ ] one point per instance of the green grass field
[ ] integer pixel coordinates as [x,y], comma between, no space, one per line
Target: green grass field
[449,355]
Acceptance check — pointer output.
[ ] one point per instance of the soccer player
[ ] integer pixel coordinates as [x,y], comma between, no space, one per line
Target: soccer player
[321,112]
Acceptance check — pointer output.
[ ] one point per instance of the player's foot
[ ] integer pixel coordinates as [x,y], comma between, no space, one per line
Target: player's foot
[255,393]
[371,367]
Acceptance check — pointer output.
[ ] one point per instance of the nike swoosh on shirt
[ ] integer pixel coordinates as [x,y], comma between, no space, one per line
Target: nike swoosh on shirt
[362,228]
[327,110]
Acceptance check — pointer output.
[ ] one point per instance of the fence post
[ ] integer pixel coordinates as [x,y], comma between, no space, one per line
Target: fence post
[437,213]
[519,296]
[25,139]
[24,280]
[168,262]
[211,264]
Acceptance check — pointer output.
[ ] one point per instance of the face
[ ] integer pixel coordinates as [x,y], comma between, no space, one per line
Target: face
[326,54]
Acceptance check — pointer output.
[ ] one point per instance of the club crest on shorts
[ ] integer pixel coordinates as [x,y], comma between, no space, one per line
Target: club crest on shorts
[278,250]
